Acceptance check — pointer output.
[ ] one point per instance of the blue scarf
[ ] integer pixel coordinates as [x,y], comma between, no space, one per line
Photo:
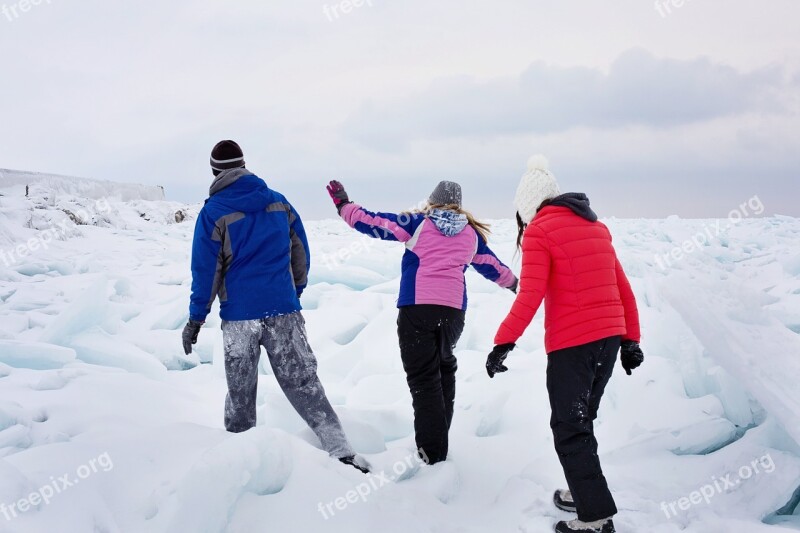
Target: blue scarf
[448,223]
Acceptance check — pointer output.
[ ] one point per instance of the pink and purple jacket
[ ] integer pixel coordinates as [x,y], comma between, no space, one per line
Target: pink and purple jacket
[434,264]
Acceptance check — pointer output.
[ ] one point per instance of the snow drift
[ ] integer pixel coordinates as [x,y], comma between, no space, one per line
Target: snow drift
[91,364]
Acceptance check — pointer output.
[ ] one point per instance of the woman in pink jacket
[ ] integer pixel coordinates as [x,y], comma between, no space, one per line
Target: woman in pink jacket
[442,241]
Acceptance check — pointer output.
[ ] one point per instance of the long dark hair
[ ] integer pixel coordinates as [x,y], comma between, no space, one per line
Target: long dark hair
[520,231]
[522,225]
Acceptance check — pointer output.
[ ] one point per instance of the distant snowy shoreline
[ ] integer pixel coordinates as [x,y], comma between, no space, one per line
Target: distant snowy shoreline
[17,180]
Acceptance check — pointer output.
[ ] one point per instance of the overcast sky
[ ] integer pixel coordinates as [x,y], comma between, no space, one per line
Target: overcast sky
[651,111]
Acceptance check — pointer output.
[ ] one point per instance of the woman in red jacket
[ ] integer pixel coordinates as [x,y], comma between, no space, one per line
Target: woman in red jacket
[590,311]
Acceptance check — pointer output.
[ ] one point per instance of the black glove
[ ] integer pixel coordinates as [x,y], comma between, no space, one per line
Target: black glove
[190,333]
[632,356]
[494,363]
[514,287]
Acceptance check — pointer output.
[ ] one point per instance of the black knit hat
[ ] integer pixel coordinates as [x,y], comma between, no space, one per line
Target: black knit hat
[225,156]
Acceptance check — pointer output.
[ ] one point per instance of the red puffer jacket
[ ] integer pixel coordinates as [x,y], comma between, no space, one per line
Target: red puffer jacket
[570,263]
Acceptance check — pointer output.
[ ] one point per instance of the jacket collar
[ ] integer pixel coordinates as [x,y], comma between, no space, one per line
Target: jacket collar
[226,178]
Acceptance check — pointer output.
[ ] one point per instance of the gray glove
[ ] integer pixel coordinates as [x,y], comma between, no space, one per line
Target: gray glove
[190,333]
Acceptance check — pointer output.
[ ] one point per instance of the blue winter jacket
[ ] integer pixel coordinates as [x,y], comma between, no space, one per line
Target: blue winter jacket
[250,249]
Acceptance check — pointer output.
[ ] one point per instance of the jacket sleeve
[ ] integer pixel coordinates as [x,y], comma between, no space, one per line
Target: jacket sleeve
[532,286]
[384,226]
[629,304]
[490,267]
[301,253]
[206,267]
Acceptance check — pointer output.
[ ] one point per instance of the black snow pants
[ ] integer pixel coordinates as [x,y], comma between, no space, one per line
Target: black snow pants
[576,380]
[295,368]
[428,335]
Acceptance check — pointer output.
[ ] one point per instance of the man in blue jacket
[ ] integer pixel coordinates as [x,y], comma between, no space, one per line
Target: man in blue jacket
[251,251]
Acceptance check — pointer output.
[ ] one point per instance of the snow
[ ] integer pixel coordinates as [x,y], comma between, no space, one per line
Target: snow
[35,355]
[91,367]
[54,185]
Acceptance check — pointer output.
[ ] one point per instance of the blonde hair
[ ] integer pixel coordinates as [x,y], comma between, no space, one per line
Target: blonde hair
[482,228]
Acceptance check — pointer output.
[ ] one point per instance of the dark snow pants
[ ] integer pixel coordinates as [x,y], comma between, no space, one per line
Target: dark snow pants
[428,335]
[295,368]
[576,380]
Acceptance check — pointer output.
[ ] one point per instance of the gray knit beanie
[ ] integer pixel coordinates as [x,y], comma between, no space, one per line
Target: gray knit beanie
[446,193]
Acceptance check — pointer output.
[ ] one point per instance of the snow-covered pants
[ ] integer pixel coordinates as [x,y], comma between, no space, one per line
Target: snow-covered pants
[576,380]
[428,336]
[295,368]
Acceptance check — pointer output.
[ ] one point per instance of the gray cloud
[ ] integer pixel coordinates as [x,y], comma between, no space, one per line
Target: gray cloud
[141,91]
[639,89]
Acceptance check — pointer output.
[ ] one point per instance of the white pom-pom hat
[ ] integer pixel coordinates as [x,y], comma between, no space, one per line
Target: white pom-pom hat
[537,185]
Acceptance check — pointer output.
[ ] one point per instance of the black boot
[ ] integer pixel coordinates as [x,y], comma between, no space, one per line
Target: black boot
[576,526]
[563,500]
[357,462]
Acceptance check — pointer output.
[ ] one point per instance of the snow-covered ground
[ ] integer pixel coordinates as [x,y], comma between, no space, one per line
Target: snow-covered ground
[112,429]
[51,185]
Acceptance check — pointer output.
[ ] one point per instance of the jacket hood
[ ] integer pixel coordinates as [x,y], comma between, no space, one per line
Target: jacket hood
[240,190]
[577,202]
[449,223]
[225,178]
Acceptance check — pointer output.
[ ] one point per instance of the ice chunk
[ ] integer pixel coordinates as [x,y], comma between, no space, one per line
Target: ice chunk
[99,348]
[34,355]
[84,312]
[748,342]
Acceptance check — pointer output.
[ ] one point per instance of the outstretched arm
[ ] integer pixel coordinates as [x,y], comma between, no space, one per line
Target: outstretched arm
[490,267]
[532,287]
[384,226]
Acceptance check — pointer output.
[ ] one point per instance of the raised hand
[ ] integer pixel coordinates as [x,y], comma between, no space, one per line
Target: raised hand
[338,195]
